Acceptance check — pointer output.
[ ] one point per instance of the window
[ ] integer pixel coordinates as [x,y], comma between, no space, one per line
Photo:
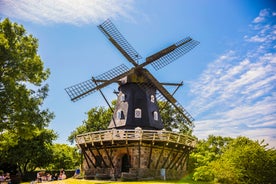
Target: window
[155,115]
[152,99]
[138,113]
[120,114]
[123,97]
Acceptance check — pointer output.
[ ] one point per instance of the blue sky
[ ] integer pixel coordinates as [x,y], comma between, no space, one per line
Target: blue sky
[229,79]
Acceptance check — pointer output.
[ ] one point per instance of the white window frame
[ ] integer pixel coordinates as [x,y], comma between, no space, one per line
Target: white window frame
[152,98]
[120,114]
[138,113]
[123,97]
[155,115]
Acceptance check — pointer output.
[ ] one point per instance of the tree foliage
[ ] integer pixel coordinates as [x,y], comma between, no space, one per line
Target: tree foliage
[172,120]
[64,156]
[247,161]
[98,118]
[20,69]
[206,151]
[24,138]
[227,160]
[29,154]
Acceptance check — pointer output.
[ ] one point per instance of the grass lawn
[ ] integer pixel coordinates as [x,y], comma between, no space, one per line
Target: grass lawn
[82,181]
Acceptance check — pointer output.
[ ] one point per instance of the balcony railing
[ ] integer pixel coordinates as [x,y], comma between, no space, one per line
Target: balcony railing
[135,135]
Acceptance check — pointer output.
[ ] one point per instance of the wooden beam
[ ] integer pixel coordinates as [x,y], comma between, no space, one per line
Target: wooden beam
[139,155]
[184,162]
[88,157]
[179,159]
[93,156]
[163,166]
[161,153]
[110,160]
[182,157]
[101,156]
[149,161]
[172,161]
[85,157]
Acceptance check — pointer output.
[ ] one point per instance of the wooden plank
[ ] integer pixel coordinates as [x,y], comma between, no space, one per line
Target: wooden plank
[110,160]
[149,161]
[172,161]
[86,156]
[93,156]
[139,155]
[161,153]
[163,166]
[101,156]
[180,161]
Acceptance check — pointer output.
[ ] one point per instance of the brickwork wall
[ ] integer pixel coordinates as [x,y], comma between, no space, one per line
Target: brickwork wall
[141,164]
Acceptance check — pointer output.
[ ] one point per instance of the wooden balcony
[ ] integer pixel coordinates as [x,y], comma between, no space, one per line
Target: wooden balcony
[135,135]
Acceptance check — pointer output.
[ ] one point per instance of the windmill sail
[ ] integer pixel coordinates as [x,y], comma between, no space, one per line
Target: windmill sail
[164,95]
[79,90]
[168,55]
[117,39]
[88,87]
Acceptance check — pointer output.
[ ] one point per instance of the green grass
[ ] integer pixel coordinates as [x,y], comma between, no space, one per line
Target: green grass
[185,180]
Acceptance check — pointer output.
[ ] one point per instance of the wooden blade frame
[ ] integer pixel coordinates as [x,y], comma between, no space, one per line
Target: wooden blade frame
[160,88]
[187,118]
[117,39]
[85,88]
[171,53]
[158,60]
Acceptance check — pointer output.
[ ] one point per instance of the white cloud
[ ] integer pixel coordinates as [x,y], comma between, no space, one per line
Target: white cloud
[75,12]
[263,13]
[256,38]
[236,95]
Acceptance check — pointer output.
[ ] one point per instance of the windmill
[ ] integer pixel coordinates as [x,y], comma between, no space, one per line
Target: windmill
[139,90]
[135,144]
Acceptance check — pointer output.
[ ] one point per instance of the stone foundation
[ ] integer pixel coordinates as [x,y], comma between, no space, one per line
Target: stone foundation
[136,157]
[141,164]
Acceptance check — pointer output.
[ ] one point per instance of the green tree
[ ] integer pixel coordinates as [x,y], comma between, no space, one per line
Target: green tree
[228,160]
[245,161]
[64,156]
[206,151]
[24,139]
[172,120]
[98,118]
[21,78]
[29,154]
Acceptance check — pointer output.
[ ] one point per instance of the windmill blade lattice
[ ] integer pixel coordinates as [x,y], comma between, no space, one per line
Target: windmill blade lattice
[112,33]
[85,88]
[186,117]
[112,73]
[76,90]
[158,85]
[182,110]
[164,95]
[181,47]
